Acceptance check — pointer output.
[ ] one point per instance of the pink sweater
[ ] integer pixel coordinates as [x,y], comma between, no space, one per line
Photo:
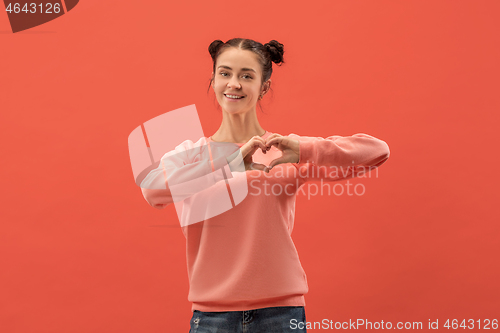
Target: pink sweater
[245,258]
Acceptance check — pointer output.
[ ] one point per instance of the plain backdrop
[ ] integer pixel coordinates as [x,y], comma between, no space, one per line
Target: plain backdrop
[82,251]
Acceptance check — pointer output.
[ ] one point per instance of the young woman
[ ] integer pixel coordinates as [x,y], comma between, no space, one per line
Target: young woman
[244,271]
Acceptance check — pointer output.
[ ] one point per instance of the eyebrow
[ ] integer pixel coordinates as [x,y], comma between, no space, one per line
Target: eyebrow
[243,69]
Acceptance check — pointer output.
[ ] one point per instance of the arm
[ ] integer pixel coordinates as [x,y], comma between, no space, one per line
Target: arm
[183,172]
[339,157]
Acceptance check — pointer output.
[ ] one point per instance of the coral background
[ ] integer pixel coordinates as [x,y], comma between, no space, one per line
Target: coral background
[82,251]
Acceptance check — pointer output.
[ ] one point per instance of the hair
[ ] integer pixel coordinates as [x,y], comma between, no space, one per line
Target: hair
[266,54]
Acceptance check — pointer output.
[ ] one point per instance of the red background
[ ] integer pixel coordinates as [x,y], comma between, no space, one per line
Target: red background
[82,251]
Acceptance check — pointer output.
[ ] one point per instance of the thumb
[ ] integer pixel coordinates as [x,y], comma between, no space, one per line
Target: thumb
[258,166]
[276,162]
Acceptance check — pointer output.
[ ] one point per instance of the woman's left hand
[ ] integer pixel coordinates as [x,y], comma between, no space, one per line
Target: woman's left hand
[288,146]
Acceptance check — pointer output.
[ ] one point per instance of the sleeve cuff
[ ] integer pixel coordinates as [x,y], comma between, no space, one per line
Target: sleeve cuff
[306,152]
[219,162]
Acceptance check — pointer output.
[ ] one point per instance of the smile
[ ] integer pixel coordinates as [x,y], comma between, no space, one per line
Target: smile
[234,97]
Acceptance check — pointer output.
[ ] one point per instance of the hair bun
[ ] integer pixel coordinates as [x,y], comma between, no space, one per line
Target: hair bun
[276,51]
[214,47]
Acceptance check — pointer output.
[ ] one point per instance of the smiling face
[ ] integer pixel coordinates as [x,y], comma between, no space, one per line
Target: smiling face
[238,74]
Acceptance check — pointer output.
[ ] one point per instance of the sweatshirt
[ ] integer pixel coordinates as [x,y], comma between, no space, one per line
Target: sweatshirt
[241,256]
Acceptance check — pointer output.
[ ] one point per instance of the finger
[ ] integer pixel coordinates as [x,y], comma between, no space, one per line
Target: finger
[272,136]
[253,148]
[261,143]
[263,146]
[258,166]
[274,142]
[269,142]
[258,142]
[259,138]
[276,162]
[254,143]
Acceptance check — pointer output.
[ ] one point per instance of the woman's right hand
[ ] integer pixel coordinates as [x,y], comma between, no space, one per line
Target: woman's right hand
[249,148]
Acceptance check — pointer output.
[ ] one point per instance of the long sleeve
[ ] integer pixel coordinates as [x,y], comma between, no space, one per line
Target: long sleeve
[339,157]
[183,172]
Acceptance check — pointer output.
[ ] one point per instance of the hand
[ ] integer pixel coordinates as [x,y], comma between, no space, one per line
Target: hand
[288,146]
[249,148]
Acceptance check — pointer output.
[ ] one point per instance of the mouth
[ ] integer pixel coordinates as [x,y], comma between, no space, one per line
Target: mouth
[233,97]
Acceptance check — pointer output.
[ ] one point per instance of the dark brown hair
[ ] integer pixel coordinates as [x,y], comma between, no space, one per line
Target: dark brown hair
[266,54]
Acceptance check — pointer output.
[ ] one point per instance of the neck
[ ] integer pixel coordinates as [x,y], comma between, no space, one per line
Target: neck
[238,127]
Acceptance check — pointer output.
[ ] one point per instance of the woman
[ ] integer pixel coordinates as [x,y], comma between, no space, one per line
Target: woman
[244,271]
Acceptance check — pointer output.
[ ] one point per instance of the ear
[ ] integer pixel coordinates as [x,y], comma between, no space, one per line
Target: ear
[212,81]
[267,86]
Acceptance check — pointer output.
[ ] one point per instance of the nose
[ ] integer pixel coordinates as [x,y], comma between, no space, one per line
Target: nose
[234,83]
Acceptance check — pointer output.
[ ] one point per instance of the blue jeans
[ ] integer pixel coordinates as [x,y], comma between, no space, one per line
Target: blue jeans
[267,320]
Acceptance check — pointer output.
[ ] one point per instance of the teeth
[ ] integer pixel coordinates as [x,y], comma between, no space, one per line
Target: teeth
[234,96]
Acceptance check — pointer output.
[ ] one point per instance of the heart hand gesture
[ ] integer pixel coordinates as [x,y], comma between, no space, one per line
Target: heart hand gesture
[249,148]
[288,146]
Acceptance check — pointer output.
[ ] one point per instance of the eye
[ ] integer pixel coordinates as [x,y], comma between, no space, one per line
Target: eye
[222,73]
[247,76]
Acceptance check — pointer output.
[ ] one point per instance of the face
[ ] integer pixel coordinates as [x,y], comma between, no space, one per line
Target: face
[238,73]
